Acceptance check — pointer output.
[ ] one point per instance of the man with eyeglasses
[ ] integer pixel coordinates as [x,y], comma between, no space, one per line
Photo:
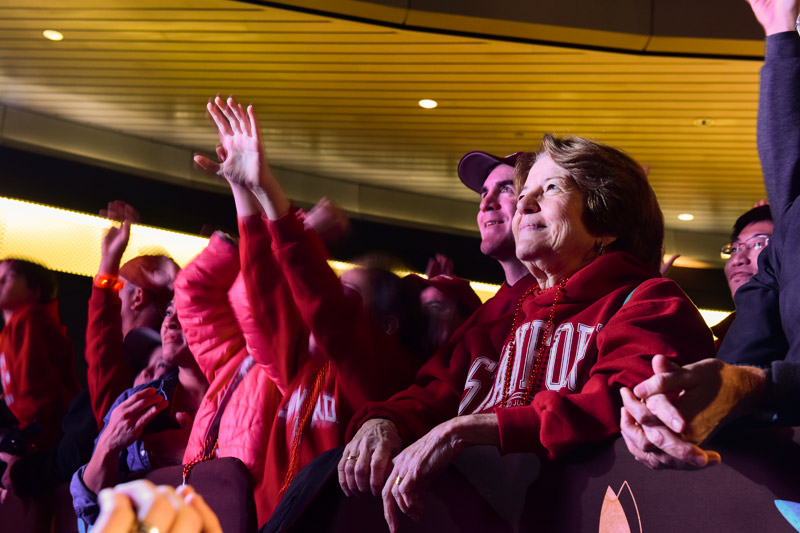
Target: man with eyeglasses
[758,371]
[751,233]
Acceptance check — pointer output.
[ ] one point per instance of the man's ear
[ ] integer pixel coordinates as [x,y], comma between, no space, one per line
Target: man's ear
[140,299]
[391,324]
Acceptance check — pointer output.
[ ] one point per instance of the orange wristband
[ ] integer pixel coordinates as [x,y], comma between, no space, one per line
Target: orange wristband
[101,281]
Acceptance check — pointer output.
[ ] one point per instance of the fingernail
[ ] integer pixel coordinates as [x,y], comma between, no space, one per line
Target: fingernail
[676,424]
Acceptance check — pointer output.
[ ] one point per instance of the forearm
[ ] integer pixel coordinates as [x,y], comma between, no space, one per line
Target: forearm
[270,195]
[778,115]
[108,372]
[246,202]
[472,430]
[103,468]
[274,343]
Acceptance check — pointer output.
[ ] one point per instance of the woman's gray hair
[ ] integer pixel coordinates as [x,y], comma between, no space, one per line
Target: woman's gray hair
[619,200]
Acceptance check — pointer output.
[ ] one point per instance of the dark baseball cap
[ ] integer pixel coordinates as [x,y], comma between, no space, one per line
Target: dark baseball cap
[475,167]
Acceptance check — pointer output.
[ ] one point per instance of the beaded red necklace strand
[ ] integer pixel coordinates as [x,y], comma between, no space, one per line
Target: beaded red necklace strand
[187,468]
[304,416]
[540,349]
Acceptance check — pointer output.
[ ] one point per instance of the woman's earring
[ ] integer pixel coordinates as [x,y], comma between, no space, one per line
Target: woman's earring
[602,249]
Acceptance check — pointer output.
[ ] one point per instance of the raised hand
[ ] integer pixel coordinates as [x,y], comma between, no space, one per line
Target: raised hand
[329,221]
[241,155]
[439,265]
[775,16]
[163,276]
[665,265]
[115,240]
[129,418]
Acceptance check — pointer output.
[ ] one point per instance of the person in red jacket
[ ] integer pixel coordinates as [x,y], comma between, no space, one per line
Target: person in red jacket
[335,345]
[126,309]
[549,381]
[37,368]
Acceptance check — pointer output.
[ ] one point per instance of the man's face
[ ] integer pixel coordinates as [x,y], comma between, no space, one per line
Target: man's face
[14,290]
[497,208]
[742,264]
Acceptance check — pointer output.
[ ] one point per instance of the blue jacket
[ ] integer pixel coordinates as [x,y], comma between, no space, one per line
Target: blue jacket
[134,459]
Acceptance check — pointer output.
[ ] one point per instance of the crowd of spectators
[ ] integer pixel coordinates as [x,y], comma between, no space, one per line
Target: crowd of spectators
[340,394]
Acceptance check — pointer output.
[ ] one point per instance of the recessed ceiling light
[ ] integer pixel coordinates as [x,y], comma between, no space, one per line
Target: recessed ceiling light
[686,217]
[703,122]
[53,35]
[428,103]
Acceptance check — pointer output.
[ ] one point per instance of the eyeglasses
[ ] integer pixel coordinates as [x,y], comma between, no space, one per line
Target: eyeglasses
[756,242]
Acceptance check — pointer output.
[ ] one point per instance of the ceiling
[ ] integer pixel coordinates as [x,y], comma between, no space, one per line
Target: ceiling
[338,104]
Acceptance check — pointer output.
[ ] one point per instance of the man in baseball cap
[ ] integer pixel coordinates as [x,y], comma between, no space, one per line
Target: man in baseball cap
[493,178]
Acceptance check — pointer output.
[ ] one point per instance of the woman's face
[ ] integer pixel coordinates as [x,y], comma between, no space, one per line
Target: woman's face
[548,225]
[174,348]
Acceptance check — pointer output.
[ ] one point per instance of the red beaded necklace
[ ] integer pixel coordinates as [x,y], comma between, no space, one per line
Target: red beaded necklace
[540,349]
[304,417]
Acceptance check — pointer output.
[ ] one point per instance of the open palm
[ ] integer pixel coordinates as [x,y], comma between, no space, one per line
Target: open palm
[241,157]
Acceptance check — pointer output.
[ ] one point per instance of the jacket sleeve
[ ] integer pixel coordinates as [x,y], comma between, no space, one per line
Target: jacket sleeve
[201,297]
[778,119]
[434,396]
[779,149]
[659,318]
[108,372]
[757,335]
[38,388]
[276,330]
[340,325]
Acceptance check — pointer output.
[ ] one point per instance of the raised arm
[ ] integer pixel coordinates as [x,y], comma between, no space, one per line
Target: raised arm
[108,372]
[201,297]
[779,107]
[272,329]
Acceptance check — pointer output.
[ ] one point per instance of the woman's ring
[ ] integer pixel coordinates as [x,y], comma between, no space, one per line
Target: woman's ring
[398,480]
[352,457]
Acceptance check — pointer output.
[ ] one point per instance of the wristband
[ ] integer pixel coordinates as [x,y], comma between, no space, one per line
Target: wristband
[102,281]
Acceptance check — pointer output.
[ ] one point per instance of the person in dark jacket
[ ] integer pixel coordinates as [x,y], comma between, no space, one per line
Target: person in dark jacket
[757,372]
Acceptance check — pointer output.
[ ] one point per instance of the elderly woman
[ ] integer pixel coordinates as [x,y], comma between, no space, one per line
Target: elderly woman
[546,379]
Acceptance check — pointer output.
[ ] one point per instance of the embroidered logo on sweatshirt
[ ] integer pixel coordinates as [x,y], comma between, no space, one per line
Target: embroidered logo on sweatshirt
[568,346]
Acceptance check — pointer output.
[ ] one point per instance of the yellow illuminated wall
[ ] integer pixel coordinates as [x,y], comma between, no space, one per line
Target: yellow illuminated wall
[68,241]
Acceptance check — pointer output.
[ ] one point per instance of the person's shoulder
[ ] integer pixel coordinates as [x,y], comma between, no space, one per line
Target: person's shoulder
[506,298]
[657,288]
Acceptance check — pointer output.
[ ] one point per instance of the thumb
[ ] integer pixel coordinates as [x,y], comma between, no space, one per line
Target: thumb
[661,364]
[205,163]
